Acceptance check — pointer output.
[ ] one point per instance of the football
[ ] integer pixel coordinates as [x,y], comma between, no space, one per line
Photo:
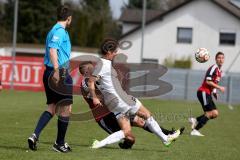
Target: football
[202,55]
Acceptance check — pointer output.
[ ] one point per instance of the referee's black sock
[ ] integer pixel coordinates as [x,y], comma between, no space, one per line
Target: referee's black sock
[62,129]
[202,120]
[42,122]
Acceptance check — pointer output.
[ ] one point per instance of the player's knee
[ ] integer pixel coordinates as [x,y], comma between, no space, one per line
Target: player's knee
[145,116]
[147,113]
[215,114]
[51,109]
[141,122]
[51,112]
[130,138]
[144,113]
[128,133]
[137,121]
[209,115]
[65,111]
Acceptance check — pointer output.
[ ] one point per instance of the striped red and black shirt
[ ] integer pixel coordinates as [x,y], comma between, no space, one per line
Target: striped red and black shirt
[213,74]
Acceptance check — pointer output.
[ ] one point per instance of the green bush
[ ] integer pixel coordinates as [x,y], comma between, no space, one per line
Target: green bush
[178,63]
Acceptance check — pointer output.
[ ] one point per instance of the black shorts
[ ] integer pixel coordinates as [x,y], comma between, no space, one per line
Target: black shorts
[109,123]
[61,94]
[206,101]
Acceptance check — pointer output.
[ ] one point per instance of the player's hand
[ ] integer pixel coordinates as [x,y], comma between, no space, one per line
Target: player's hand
[1,87]
[96,102]
[215,95]
[56,77]
[222,89]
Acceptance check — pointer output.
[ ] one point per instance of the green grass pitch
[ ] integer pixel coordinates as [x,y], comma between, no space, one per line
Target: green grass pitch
[20,112]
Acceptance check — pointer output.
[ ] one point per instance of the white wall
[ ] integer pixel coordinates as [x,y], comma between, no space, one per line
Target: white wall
[126,27]
[5,52]
[206,19]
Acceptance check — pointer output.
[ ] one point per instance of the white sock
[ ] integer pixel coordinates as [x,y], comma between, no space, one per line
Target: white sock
[112,138]
[155,128]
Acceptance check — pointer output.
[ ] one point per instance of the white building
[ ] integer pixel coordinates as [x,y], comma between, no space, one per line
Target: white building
[178,32]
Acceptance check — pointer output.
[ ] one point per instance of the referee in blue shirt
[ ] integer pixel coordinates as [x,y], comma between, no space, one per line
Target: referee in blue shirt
[57,82]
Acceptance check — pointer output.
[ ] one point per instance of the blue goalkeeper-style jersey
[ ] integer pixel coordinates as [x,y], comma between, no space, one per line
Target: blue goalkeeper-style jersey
[58,38]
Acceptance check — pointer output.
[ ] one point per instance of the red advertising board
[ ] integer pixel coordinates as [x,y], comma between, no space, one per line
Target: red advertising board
[28,73]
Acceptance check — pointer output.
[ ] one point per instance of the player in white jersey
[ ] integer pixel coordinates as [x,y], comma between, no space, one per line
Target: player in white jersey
[106,119]
[118,101]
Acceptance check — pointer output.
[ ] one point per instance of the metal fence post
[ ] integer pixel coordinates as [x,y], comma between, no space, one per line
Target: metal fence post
[229,92]
[186,85]
[14,42]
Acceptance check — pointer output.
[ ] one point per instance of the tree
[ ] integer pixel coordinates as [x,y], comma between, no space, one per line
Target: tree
[151,4]
[92,23]
[6,35]
[34,19]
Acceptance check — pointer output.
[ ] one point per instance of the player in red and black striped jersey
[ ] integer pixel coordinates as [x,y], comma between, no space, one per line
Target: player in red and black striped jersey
[106,119]
[205,92]
[1,76]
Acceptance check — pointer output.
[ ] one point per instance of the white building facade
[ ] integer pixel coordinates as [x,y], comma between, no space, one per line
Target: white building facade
[179,33]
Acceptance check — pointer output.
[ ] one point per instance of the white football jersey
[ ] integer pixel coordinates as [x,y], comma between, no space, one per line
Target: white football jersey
[114,96]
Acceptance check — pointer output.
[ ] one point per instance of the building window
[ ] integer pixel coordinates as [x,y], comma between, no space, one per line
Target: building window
[184,35]
[227,38]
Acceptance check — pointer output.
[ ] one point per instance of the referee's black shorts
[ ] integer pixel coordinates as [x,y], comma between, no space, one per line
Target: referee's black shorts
[60,94]
[206,101]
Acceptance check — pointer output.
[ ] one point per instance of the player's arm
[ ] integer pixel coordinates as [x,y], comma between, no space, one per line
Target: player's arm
[214,85]
[54,58]
[54,45]
[92,90]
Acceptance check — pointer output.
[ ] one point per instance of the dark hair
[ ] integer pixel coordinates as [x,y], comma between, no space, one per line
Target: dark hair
[63,12]
[82,66]
[219,53]
[108,45]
